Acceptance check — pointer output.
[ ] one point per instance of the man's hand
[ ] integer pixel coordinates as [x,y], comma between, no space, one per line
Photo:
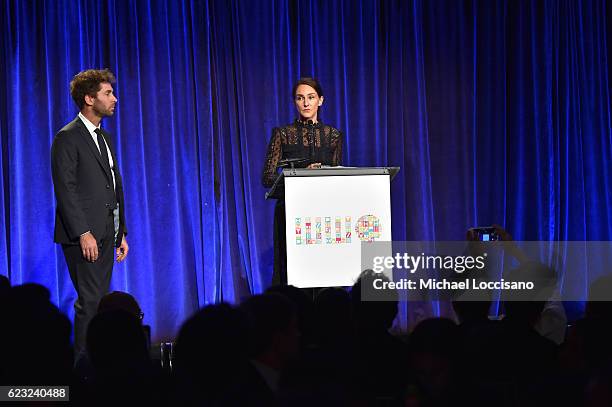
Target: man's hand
[471,235]
[511,247]
[314,165]
[122,250]
[89,247]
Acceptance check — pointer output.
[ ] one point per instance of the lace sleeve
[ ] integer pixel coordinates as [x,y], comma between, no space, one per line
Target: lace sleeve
[273,156]
[336,146]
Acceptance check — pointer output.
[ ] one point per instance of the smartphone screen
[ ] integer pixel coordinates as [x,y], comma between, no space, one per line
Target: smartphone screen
[486,234]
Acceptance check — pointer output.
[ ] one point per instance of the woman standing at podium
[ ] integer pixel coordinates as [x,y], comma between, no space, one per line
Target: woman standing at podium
[308,140]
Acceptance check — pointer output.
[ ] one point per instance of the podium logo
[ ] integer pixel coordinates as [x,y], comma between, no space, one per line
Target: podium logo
[368,228]
[335,230]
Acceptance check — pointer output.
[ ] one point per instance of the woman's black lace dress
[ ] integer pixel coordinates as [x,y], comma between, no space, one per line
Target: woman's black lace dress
[318,143]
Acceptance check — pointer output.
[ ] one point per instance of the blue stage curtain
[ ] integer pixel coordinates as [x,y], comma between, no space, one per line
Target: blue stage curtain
[497,112]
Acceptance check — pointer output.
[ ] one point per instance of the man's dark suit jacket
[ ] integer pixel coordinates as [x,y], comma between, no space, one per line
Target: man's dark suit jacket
[84,186]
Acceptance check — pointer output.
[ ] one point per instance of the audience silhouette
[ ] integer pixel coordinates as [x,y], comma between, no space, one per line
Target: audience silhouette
[284,348]
[35,338]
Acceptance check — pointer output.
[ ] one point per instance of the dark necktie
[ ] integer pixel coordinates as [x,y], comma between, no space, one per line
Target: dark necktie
[103,152]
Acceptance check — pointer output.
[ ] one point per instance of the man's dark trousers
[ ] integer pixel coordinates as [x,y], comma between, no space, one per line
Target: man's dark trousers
[91,281]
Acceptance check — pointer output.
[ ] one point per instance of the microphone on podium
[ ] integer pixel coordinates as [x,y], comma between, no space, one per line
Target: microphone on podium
[310,126]
[290,162]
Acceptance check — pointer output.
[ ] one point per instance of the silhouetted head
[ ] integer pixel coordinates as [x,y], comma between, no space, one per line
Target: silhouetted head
[35,337]
[210,340]
[119,300]
[116,344]
[5,285]
[273,326]
[373,309]
[304,306]
[333,314]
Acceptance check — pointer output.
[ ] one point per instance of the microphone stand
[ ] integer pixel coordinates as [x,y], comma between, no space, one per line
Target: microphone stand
[310,127]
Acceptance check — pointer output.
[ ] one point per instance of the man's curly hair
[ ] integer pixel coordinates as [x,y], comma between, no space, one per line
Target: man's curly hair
[88,83]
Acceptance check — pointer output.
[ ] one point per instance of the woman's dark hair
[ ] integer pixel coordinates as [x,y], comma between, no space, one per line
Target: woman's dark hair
[312,82]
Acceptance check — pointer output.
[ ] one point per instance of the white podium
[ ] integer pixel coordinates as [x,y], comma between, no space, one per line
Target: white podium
[329,213]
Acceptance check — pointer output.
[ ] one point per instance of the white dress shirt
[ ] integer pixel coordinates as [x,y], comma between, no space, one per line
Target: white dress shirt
[91,128]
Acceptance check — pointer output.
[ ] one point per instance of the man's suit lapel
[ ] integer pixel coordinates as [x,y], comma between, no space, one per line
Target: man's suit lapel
[92,147]
[113,156]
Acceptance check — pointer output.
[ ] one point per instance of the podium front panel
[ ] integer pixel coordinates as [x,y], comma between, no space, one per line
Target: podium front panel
[327,218]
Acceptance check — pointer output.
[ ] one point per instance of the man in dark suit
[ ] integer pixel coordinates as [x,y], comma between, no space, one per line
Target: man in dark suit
[90,216]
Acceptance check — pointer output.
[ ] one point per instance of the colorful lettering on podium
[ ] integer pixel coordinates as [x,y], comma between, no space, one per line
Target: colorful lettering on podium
[368,228]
